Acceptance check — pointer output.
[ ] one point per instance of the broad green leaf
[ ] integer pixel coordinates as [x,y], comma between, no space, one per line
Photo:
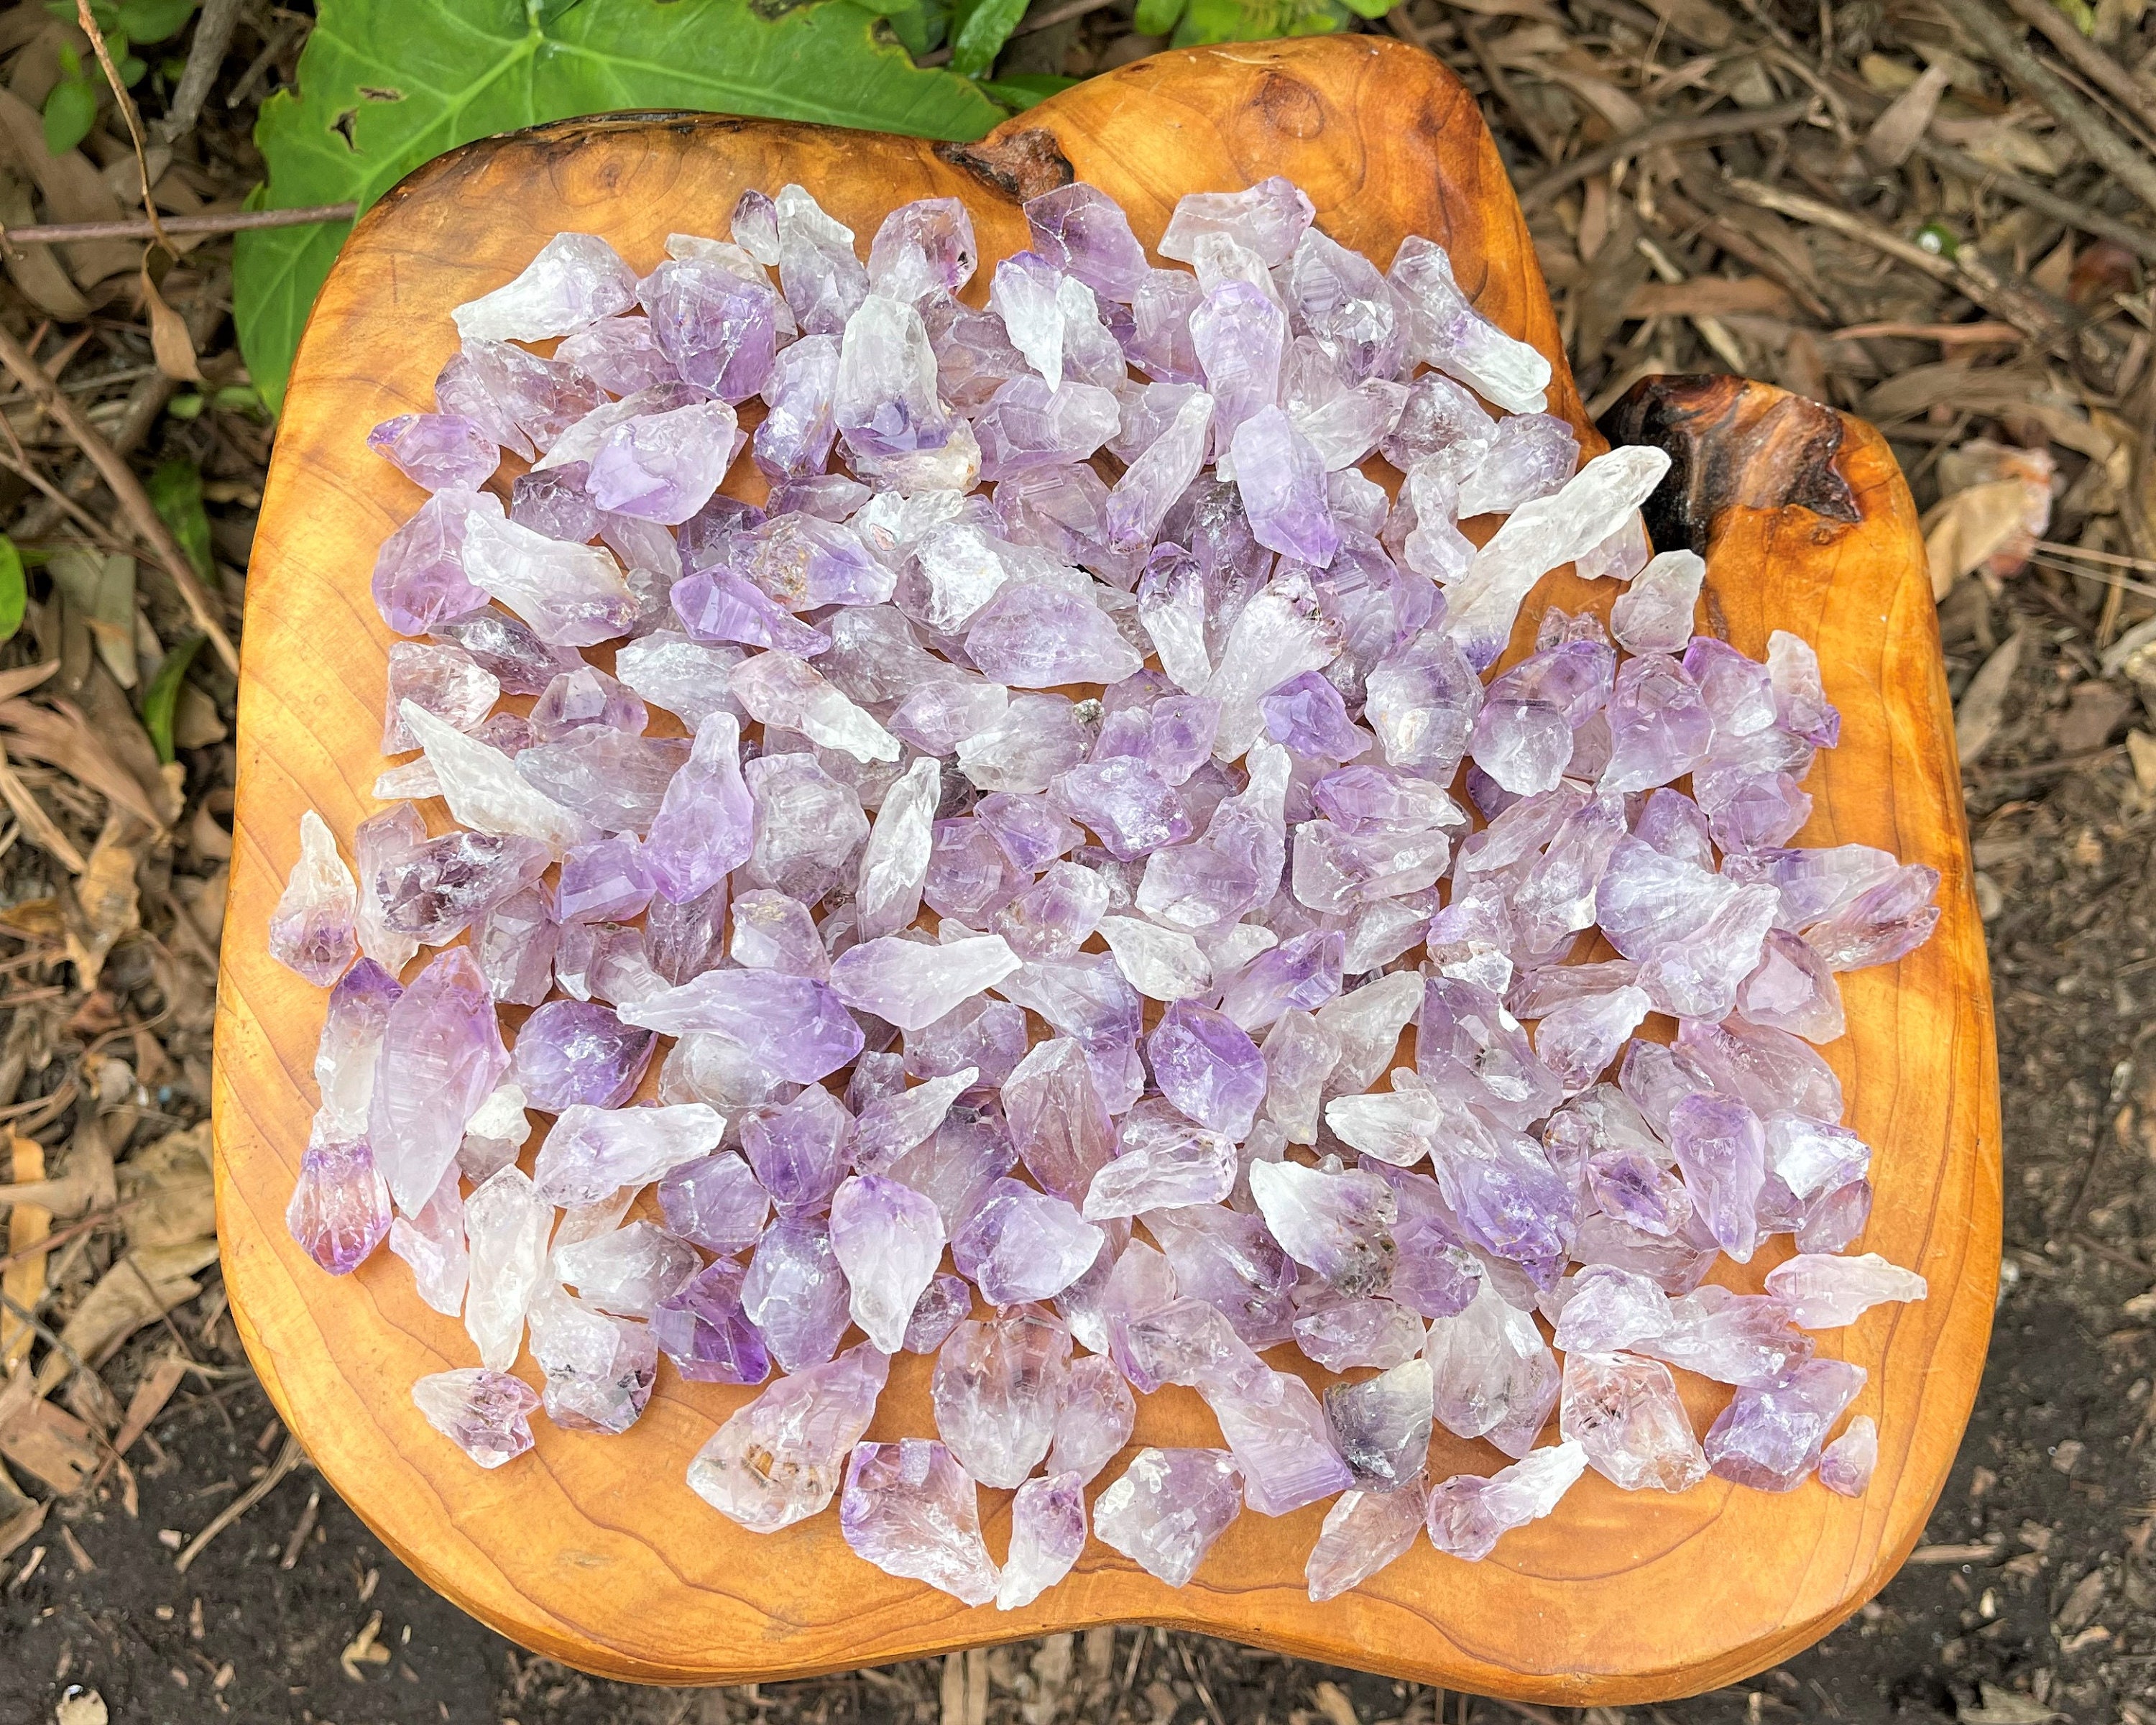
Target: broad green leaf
[155,20]
[979,30]
[1022,89]
[14,592]
[921,25]
[175,492]
[379,95]
[70,112]
[1258,20]
[1157,18]
[161,699]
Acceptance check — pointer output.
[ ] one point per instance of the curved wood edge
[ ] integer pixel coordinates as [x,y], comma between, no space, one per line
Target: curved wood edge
[1573,1624]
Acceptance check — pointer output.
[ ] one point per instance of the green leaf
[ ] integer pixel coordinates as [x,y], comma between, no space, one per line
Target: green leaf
[155,20]
[175,492]
[979,30]
[921,25]
[1157,18]
[1022,90]
[161,699]
[70,112]
[1258,20]
[14,592]
[378,97]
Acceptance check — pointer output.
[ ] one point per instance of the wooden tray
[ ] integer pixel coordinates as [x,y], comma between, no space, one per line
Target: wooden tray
[592,1550]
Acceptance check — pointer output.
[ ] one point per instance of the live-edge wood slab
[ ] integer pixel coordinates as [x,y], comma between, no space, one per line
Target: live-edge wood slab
[592,1550]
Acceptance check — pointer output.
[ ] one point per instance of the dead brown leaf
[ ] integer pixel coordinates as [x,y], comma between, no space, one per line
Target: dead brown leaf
[1710,296]
[105,903]
[45,1441]
[37,826]
[73,189]
[1996,524]
[1983,705]
[142,1287]
[173,348]
[61,735]
[1895,132]
[168,1190]
[36,269]
[23,1280]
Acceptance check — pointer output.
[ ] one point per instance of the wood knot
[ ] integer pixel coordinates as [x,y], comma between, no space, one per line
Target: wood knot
[1019,164]
[1290,106]
[1732,442]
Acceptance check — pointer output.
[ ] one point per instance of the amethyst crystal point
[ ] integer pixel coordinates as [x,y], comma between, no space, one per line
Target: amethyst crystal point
[1207,1065]
[445,680]
[629,1271]
[614,780]
[1278,1434]
[894,861]
[1533,454]
[1364,1532]
[1082,231]
[1578,1039]
[575,280]
[716,1203]
[1027,425]
[893,1125]
[664,467]
[795,1293]
[1846,1465]
[593,1150]
[1058,1123]
[1722,1149]
[1037,635]
[485,1413]
[1623,1411]
[817,268]
[1732,1338]
[1330,1221]
[440,452]
[1095,1420]
[419,579]
[1882,924]
[1168,1507]
[574,1051]
[599,1369]
[340,1208]
[912,984]
[1770,1439]
[923,249]
[719,605]
[1660,727]
[1161,963]
[793,1027]
[433,1243]
[717,331]
[1022,1245]
[441,1055]
[345,1056]
[1422,701]
[436,889]
[1825,1293]
[703,1330]
[998,1389]
[506,1224]
[571,595]
[1383,1425]
[1269,217]
[888,1239]
[1493,1375]
[485,790]
[1444,331]
[911,1510]
[1306,716]
[1163,1162]
[944,1304]
[705,825]
[799,1151]
[783,691]
[313,930]
[773,932]
[776,1462]
[1282,481]
[1468,1515]
[884,400]
[1359,1333]
[1048,1531]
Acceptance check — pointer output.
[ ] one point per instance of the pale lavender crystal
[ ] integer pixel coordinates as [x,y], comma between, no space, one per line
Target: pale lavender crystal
[1022,1244]
[910,1509]
[1207,1065]
[1282,481]
[1168,1507]
[1278,1433]
[1655,613]
[619,354]
[703,1330]
[1881,925]
[717,330]
[1607,1309]
[440,452]
[944,1304]
[599,1368]
[1383,1425]
[1578,1040]
[615,781]
[888,1239]
[1269,217]
[575,280]
[1026,424]
[339,1207]
[313,927]
[1846,1465]
[1445,331]
[808,825]
[884,398]
[1770,1070]
[1306,716]
[798,431]
[506,1224]
[1160,473]
[1825,1293]
[1422,702]
[715,1203]
[1359,1333]
[1032,831]
[1493,1375]
[1162,1162]
[1770,1439]
[1732,1338]
[773,932]
[486,1414]
[1084,232]
[718,605]
[345,1056]
[892,1125]
[664,467]
[1722,1149]
[1036,636]
[1240,334]
[445,680]
[1660,727]
[912,983]
[629,1271]
[1095,1419]
[1623,1411]
[1058,1123]
[507,650]
[777,1461]
[794,1027]
[1792,989]
[799,1151]
[1127,804]
[922,249]
[1468,1515]
[605,881]
[1037,737]
[570,595]
[1048,1531]
[571,1051]
[1364,1531]
[434,890]
[419,580]
[1332,1222]
[998,1389]
[441,1055]
[1301,974]
[590,1152]
[795,1294]
[520,400]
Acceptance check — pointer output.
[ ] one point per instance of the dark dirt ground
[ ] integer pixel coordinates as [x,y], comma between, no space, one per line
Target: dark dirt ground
[294,1612]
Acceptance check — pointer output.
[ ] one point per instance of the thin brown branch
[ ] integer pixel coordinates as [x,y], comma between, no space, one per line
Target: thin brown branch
[2088,59]
[205,59]
[234,221]
[288,1458]
[134,502]
[1693,129]
[88,20]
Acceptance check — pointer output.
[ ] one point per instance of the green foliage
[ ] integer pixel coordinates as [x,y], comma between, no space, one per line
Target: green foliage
[14,593]
[161,699]
[979,29]
[921,25]
[1022,89]
[1200,21]
[175,492]
[378,96]
[70,108]
[136,20]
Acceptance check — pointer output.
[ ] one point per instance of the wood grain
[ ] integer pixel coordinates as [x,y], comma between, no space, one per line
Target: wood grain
[592,1550]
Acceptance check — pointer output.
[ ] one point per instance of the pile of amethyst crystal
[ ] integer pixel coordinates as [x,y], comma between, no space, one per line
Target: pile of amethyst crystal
[1059,887]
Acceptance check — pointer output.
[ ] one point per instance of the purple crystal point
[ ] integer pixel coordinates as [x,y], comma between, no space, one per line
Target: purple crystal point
[340,1208]
[419,579]
[575,280]
[702,1327]
[910,1509]
[1207,1065]
[776,1460]
[485,1413]
[1081,230]
[795,1293]
[1468,1515]
[912,984]
[664,467]
[440,452]
[1846,1465]
[1168,1507]
[573,1051]
[1095,1420]
[314,928]
[923,249]
[592,1152]
[1363,1533]
[1332,1222]
[1623,1411]
[1769,1439]
[506,1224]
[716,1203]
[599,1369]
[1022,1245]
[998,1389]
[717,331]
[1048,1531]
[441,1055]
[1825,1293]
[794,1027]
